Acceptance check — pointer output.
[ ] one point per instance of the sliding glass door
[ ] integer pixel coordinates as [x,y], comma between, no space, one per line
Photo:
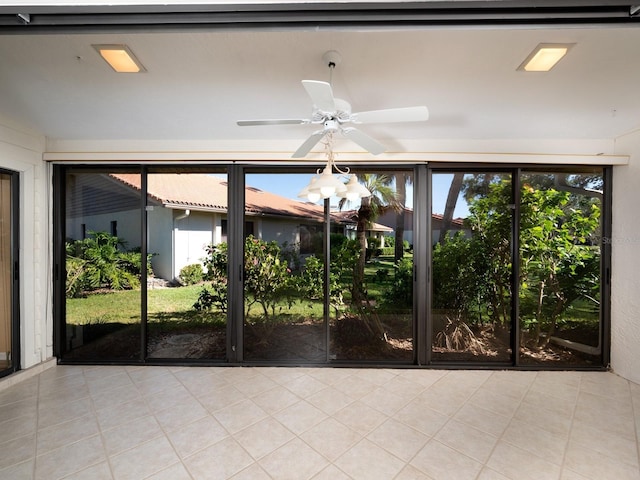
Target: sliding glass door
[471,264]
[9,354]
[103,266]
[517,266]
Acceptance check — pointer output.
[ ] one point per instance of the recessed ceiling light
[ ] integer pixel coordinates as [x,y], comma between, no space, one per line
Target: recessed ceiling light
[544,57]
[120,58]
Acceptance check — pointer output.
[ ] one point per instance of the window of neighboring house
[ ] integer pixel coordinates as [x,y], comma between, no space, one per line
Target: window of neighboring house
[114,228]
[248,229]
[224,229]
[83,230]
[307,235]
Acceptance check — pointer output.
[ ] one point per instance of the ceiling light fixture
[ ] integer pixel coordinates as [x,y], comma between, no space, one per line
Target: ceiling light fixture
[544,57]
[120,58]
[324,185]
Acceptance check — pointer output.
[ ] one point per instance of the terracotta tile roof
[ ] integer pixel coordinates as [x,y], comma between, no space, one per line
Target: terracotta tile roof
[207,192]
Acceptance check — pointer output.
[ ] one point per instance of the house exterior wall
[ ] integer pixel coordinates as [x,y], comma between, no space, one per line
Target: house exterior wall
[22,151]
[192,234]
[625,262]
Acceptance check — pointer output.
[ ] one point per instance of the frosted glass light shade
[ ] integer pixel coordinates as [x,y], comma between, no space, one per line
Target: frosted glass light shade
[354,190]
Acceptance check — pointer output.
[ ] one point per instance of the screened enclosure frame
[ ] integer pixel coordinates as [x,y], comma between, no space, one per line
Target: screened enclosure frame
[422,262]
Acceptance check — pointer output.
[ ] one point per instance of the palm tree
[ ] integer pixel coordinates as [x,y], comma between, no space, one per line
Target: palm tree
[383,197]
[402,179]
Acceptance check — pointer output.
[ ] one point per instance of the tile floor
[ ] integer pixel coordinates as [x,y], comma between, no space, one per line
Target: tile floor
[113,422]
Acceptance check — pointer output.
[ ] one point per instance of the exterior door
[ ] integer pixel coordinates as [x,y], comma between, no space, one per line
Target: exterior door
[9,336]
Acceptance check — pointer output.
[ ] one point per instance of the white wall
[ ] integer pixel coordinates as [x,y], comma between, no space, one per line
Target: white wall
[625,268]
[22,151]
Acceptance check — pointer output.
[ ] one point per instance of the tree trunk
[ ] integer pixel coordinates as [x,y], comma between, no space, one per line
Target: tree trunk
[358,273]
[401,192]
[450,206]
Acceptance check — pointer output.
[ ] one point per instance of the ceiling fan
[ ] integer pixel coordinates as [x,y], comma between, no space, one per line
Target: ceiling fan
[334,113]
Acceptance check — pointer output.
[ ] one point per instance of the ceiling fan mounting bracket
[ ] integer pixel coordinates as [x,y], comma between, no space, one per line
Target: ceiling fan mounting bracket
[332,58]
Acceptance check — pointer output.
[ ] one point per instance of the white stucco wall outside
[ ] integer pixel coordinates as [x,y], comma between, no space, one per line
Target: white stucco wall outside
[21,151]
[625,262]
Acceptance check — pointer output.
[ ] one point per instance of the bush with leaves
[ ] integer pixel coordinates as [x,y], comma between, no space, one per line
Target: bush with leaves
[399,295]
[100,261]
[191,274]
[215,295]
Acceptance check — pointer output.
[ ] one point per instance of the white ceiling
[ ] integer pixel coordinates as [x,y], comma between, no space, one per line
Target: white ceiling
[198,84]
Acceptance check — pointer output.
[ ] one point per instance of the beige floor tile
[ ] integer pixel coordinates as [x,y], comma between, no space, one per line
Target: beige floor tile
[198,435]
[617,405]
[17,450]
[293,461]
[548,420]
[541,443]
[399,439]
[62,434]
[384,400]
[130,434]
[300,416]
[276,399]
[181,414]
[360,417]
[331,438]
[468,440]
[330,400]
[419,415]
[488,474]
[485,420]
[220,460]
[18,427]
[70,459]
[98,384]
[177,471]
[493,400]
[22,471]
[255,385]
[518,464]
[239,415]
[605,421]
[304,386]
[143,460]
[368,461]
[156,385]
[403,384]
[63,412]
[571,475]
[441,462]
[613,446]
[170,397]
[116,396]
[354,386]
[252,472]
[115,415]
[222,398]
[263,437]
[101,471]
[595,465]
[424,378]
[444,398]
[409,472]
[332,473]
[544,401]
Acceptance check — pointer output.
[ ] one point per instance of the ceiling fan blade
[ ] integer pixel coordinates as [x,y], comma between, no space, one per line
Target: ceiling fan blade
[364,140]
[308,144]
[321,95]
[406,114]
[284,121]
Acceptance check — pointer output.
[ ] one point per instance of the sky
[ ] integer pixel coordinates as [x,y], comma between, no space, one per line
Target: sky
[289,186]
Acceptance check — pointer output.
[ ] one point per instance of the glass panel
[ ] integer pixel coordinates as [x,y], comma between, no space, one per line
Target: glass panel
[102,270]
[372,271]
[283,271]
[187,281]
[471,267]
[6,281]
[560,235]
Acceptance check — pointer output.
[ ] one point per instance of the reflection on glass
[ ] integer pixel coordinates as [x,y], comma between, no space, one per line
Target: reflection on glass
[6,280]
[187,278]
[103,266]
[371,287]
[283,272]
[560,230]
[471,267]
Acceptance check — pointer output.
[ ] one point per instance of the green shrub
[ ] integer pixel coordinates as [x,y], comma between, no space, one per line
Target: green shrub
[191,274]
[400,293]
[100,261]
